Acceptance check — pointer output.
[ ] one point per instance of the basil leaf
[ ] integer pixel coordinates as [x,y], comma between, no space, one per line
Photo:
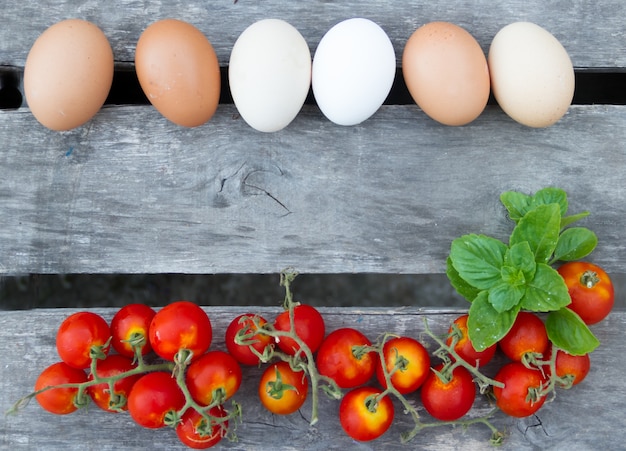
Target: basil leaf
[478,259]
[548,196]
[485,325]
[546,292]
[517,204]
[540,228]
[459,284]
[567,220]
[504,296]
[568,332]
[521,257]
[575,243]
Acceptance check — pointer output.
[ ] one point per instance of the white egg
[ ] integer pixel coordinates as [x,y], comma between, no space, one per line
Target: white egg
[353,70]
[269,74]
[532,76]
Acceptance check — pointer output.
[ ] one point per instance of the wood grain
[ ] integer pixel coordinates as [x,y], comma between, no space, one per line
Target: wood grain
[132,193]
[592,32]
[589,416]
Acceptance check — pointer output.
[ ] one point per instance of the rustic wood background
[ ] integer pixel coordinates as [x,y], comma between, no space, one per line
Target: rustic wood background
[130,193]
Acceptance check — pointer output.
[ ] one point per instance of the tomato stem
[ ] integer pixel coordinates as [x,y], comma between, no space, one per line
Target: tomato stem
[589,278]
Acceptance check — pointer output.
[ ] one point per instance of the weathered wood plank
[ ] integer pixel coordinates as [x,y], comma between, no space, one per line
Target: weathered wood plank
[586,417]
[132,193]
[592,33]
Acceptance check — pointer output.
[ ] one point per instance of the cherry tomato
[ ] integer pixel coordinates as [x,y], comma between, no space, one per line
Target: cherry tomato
[308,324]
[573,369]
[336,358]
[281,389]
[519,396]
[180,325]
[152,397]
[79,336]
[448,401]
[214,371]
[464,347]
[410,360]
[590,289]
[113,365]
[130,325]
[527,337]
[242,353]
[359,419]
[195,432]
[59,401]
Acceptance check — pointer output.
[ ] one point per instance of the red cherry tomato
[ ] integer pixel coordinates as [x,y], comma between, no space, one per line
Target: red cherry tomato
[336,358]
[449,401]
[79,335]
[281,389]
[152,397]
[180,325]
[519,396]
[464,347]
[572,369]
[359,420]
[113,365]
[130,325]
[527,337]
[308,324]
[246,325]
[214,371]
[590,289]
[59,401]
[195,432]
[412,361]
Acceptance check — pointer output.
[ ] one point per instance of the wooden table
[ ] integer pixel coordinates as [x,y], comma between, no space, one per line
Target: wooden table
[130,192]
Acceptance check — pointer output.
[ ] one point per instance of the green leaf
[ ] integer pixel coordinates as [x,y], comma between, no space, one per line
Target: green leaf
[459,284]
[540,228]
[504,296]
[521,257]
[569,333]
[485,325]
[517,204]
[478,259]
[567,220]
[550,195]
[575,243]
[546,292]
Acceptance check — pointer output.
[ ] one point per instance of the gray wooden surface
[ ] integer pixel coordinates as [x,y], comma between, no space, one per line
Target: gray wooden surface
[592,32]
[589,416]
[132,193]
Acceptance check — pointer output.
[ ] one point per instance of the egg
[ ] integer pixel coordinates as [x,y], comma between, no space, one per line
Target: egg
[532,76]
[269,74]
[178,71]
[68,74]
[354,67]
[446,73]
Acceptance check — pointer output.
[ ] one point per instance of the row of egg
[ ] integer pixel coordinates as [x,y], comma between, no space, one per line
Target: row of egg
[69,71]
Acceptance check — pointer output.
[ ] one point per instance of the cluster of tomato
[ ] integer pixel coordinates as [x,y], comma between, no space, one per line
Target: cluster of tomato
[187,384]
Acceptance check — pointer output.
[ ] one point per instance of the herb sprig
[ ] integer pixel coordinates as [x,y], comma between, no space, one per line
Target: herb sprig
[500,280]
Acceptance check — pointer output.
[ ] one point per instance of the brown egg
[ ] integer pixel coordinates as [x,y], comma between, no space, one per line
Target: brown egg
[178,71]
[68,74]
[446,73]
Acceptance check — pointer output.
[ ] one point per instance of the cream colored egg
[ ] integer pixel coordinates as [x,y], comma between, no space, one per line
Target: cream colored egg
[269,74]
[532,76]
[68,74]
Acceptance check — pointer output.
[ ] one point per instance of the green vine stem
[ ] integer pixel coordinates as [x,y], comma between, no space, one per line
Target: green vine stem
[483,381]
[372,401]
[303,360]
